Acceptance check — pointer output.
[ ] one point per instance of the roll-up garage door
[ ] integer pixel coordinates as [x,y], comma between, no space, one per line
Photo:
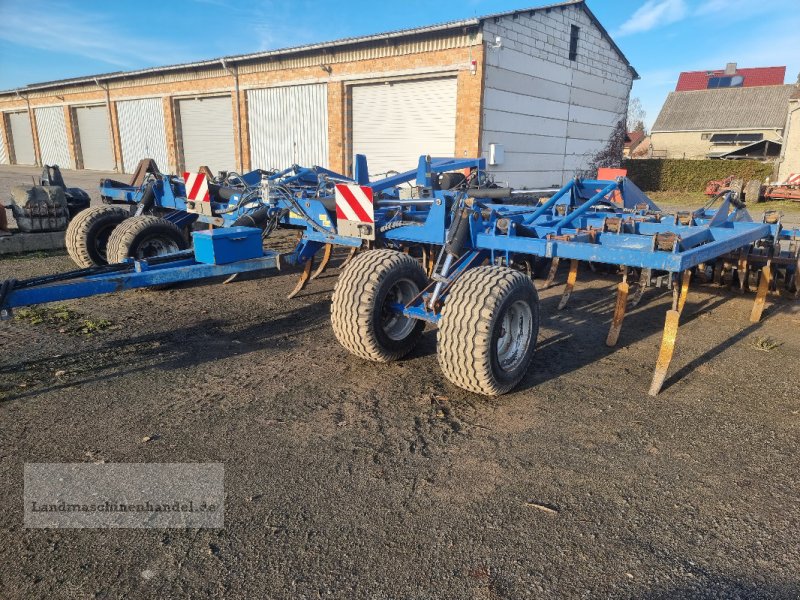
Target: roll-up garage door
[206,133]
[141,132]
[21,138]
[52,130]
[288,125]
[94,138]
[395,123]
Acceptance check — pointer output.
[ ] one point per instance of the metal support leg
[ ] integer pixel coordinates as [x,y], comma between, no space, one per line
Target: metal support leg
[304,277]
[619,311]
[551,276]
[571,278]
[761,295]
[326,258]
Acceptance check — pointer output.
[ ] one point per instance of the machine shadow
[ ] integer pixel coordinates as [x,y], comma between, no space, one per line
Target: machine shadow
[203,342]
[588,317]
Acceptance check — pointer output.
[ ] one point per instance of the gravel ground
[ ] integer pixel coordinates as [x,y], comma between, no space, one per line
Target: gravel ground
[348,479]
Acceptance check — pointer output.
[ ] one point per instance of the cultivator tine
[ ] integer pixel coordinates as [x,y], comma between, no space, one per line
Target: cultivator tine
[571,278]
[761,295]
[350,257]
[323,265]
[619,311]
[551,276]
[665,352]
[670,334]
[796,280]
[425,259]
[303,280]
[719,267]
[742,270]
[644,283]
[687,275]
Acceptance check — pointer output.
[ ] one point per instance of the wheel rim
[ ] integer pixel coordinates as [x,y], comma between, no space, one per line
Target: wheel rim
[395,325]
[101,241]
[156,246]
[515,335]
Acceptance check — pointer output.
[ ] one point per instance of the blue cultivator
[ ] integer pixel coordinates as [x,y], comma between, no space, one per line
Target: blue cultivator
[479,245]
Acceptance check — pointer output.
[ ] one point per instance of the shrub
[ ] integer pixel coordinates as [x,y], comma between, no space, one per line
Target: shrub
[681,175]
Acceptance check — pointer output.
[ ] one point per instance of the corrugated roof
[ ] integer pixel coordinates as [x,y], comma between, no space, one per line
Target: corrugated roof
[732,108]
[441,27]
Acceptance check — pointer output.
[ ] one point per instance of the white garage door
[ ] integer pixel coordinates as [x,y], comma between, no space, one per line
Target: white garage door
[394,124]
[21,138]
[52,130]
[94,138]
[288,125]
[207,133]
[141,132]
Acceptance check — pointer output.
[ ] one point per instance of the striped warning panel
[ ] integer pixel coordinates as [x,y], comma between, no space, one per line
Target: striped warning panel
[196,187]
[354,203]
[793,179]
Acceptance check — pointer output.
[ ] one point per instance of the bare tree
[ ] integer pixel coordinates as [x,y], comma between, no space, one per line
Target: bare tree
[636,115]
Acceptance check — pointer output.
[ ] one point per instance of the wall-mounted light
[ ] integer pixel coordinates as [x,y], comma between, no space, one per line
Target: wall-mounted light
[498,43]
[327,68]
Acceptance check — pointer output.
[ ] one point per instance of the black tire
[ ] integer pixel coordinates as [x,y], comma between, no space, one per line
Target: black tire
[89,232]
[752,191]
[360,319]
[145,237]
[471,347]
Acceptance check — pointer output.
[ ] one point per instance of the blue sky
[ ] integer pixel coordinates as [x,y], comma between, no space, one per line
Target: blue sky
[42,40]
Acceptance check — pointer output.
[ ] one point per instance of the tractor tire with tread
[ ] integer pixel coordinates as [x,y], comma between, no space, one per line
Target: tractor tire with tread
[359,317]
[483,312]
[89,233]
[145,236]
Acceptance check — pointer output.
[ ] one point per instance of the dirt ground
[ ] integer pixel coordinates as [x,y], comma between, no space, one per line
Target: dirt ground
[349,479]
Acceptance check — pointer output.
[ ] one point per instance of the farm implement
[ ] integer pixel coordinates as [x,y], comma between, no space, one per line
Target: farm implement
[442,244]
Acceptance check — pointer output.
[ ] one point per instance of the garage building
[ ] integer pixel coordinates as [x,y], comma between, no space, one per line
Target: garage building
[538,92]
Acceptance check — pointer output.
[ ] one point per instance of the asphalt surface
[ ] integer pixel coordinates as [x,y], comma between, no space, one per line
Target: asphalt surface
[349,479]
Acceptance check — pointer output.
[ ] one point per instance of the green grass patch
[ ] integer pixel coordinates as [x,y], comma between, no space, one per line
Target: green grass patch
[65,319]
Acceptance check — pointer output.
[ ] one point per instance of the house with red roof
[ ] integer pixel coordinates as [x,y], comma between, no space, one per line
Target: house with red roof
[729,113]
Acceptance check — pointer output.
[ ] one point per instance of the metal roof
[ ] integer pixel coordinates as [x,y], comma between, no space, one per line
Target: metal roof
[388,35]
[762,107]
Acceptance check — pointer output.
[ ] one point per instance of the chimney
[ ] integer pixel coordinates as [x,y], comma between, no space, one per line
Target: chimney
[730,69]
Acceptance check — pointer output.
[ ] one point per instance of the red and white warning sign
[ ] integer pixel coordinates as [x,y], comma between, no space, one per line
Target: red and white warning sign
[354,211]
[354,203]
[198,200]
[196,187]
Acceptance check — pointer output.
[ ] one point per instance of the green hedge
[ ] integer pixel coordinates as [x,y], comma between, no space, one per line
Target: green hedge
[680,175]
